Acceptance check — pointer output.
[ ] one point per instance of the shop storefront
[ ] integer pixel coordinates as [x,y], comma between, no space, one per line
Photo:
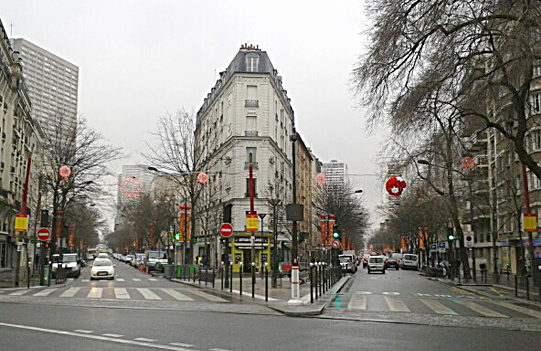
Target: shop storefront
[241,250]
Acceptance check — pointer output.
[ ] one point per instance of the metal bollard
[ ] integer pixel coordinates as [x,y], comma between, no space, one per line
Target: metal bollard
[266,282]
[311,282]
[206,276]
[324,278]
[199,275]
[516,285]
[240,278]
[253,280]
[213,277]
[189,270]
[321,279]
[527,287]
[231,277]
[222,274]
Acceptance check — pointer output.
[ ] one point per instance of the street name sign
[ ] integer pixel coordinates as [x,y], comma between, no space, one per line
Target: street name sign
[226,230]
[44,234]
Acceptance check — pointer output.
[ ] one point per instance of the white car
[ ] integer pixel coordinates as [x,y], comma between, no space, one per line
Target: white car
[376,263]
[102,268]
[409,261]
[103,255]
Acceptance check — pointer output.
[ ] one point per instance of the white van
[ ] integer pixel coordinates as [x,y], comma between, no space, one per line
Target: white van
[409,261]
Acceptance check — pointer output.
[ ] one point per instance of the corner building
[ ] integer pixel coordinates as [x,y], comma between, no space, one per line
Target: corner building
[246,115]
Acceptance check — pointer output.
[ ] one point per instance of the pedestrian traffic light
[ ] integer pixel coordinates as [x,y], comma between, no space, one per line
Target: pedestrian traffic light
[177,236]
[337,233]
[450,234]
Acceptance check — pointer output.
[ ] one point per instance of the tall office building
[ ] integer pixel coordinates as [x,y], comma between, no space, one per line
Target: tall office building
[335,173]
[52,83]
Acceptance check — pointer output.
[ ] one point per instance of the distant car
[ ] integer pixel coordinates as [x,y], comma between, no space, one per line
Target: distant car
[102,255]
[70,261]
[409,261]
[365,260]
[102,269]
[394,261]
[376,263]
[156,259]
[129,258]
[139,260]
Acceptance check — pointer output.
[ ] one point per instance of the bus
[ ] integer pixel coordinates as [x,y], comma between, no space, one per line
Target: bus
[91,253]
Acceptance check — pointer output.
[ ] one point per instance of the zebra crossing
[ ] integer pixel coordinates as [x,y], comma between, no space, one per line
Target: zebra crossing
[93,293]
[450,305]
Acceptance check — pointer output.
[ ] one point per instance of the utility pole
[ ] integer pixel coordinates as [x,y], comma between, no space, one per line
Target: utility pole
[294,242]
[23,212]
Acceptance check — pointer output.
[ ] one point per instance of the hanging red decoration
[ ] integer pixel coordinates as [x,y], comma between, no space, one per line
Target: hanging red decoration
[202,178]
[320,179]
[395,185]
[64,171]
[468,163]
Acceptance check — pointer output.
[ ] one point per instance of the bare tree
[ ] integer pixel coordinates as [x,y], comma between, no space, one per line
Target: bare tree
[178,154]
[85,152]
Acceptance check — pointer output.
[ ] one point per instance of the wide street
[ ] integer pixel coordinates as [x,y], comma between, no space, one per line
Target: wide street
[399,310]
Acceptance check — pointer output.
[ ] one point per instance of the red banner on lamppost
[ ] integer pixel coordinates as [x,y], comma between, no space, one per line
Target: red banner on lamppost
[184,224]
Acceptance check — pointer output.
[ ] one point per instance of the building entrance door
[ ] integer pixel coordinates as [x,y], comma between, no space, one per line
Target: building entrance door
[247,261]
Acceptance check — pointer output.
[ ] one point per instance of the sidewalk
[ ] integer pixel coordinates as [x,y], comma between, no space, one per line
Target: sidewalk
[277,297]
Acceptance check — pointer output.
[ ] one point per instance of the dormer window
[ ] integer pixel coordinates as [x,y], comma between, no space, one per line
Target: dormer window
[252,63]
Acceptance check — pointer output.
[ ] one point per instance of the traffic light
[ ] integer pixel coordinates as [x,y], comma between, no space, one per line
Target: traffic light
[450,234]
[227,213]
[337,233]
[177,236]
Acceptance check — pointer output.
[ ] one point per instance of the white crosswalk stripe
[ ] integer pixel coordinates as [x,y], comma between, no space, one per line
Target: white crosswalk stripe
[19,292]
[396,305]
[481,309]
[119,279]
[207,296]
[136,279]
[437,307]
[153,279]
[95,293]
[147,294]
[357,302]
[85,280]
[177,295]
[45,292]
[122,293]
[520,309]
[70,292]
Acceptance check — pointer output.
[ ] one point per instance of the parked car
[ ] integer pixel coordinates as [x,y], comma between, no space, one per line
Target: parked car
[102,255]
[102,268]
[409,261]
[129,258]
[394,261]
[139,259]
[376,263]
[69,261]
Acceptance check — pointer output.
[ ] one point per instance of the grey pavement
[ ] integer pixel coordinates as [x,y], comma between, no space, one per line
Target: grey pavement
[408,297]
[28,327]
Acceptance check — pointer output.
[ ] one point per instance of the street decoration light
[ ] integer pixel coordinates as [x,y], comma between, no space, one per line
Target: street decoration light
[320,179]
[395,186]
[131,187]
[64,171]
[202,178]
[468,163]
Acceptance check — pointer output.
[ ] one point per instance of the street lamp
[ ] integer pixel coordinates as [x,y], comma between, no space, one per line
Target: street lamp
[294,250]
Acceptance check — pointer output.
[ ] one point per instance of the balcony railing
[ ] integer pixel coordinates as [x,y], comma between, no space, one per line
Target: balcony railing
[252,103]
[251,133]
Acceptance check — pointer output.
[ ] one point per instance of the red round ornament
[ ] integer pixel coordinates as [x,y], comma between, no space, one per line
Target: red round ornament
[395,185]
[202,178]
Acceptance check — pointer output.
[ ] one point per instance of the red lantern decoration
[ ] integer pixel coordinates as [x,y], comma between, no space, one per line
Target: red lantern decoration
[395,186]
[64,171]
[202,178]
[468,163]
[320,179]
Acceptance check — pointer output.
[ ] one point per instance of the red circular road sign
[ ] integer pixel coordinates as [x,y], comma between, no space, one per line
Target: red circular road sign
[336,244]
[226,230]
[44,234]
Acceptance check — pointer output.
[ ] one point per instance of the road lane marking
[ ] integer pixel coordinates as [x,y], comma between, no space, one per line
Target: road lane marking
[516,308]
[390,293]
[122,293]
[481,309]
[145,339]
[175,294]
[147,294]
[462,292]
[357,302]
[19,292]
[85,280]
[136,279]
[70,292]
[181,344]
[83,334]
[364,292]
[219,350]
[211,297]
[119,279]
[113,335]
[83,331]
[45,292]
[153,279]
[95,293]
[396,305]
[437,307]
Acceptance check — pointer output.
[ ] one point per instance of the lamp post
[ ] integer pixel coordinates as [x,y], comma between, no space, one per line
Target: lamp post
[262,216]
[294,241]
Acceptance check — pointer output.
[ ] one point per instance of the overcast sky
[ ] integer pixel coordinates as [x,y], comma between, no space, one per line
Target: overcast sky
[140,59]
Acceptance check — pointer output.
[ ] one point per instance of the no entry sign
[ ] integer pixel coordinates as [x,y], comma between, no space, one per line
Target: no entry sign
[44,234]
[336,244]
[226,230]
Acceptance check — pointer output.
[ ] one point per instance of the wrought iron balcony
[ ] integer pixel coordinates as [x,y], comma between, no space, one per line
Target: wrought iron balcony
[252,103]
